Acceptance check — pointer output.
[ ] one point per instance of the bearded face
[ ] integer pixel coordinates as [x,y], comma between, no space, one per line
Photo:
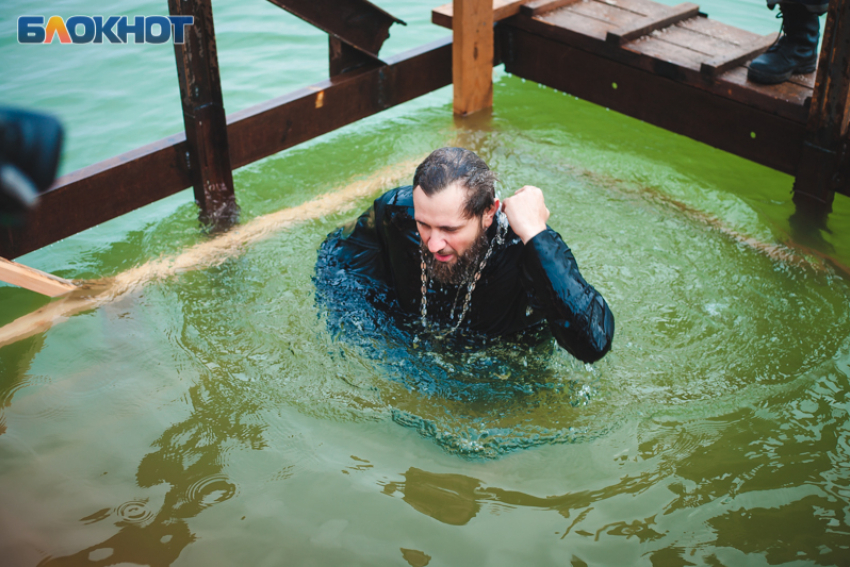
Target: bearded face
[463,266]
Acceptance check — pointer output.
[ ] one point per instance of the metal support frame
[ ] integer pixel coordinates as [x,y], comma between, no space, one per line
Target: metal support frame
[824,166]
[121,184]
[203,116]
[342,58]
[358,23]
[116,186]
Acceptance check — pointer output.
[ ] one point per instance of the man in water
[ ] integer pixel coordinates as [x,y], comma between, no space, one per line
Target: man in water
[447,252]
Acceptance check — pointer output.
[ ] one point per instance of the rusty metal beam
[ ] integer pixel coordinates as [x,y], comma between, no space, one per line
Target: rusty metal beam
[342,58]
[664,102]
[824,167]
[111,188]
[203,116]
[359,23]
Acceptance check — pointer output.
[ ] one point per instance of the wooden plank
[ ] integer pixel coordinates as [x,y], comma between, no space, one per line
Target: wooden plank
[612,13]
[722,63]
[708,45]
[442,15]
[569,22]
[719,30]
[648,8]
[807,81]
[204,117]
[619,12]
[786,100]
[644,26]
[34,280]
[670,54]
[779,98]
[116,186]
[670,104]
[540,7]
[472,56]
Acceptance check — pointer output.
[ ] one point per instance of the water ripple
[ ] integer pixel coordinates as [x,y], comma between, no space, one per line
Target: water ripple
[134,512]
[210,490]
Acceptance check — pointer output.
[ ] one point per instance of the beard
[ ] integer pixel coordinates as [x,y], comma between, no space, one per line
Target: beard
[463,268]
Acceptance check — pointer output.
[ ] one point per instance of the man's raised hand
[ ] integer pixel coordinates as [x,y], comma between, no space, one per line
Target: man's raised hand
[526,212]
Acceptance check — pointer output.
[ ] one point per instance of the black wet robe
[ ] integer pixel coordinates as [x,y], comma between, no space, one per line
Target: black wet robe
[521,286]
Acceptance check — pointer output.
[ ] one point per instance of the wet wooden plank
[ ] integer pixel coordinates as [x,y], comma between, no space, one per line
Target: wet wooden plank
[790,93]
[660,50]
[754,134]
[116,186]
[540,7]
[645,8]
[612,13]
[578,26]
[723,62]
[442,15]
[686,37]
[786,101]
[641,27]
[719,31]
[807,80]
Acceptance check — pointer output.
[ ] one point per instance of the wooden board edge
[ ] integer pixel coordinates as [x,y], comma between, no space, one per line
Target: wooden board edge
[33,279]
[502,9]
[719,65]
[539,7]
[646,26]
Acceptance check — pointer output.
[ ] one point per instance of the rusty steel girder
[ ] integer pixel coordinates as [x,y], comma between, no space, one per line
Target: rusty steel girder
[358,23]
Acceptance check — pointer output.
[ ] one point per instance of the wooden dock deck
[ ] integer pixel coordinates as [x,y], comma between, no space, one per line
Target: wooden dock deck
[671,66]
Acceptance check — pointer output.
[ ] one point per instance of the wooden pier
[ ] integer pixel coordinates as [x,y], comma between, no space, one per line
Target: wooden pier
[674,67]
[669,66]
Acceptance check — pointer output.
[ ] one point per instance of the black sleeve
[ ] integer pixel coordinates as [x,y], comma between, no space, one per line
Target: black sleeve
[577,314]
[356,248]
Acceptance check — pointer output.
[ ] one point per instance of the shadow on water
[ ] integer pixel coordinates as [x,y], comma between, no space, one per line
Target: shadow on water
[807,230]
[188,457]
[189,460]
[762,480]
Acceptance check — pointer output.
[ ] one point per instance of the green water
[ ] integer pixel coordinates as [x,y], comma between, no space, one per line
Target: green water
[210,419]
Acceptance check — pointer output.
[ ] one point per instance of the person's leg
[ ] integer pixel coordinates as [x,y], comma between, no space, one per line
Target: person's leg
[796,49]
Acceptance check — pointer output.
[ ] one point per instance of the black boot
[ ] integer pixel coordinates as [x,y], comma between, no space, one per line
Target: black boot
[796,51]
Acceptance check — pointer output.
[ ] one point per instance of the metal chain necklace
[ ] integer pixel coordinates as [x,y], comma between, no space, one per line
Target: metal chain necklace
[471,282]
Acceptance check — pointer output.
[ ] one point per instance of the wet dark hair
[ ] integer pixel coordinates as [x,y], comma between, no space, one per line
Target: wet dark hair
[449,165]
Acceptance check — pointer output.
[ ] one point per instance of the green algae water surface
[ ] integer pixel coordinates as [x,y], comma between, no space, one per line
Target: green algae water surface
[212,419]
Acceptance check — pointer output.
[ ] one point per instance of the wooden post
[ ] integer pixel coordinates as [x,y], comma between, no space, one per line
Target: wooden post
[203,115]
[824,164]
[472,55]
